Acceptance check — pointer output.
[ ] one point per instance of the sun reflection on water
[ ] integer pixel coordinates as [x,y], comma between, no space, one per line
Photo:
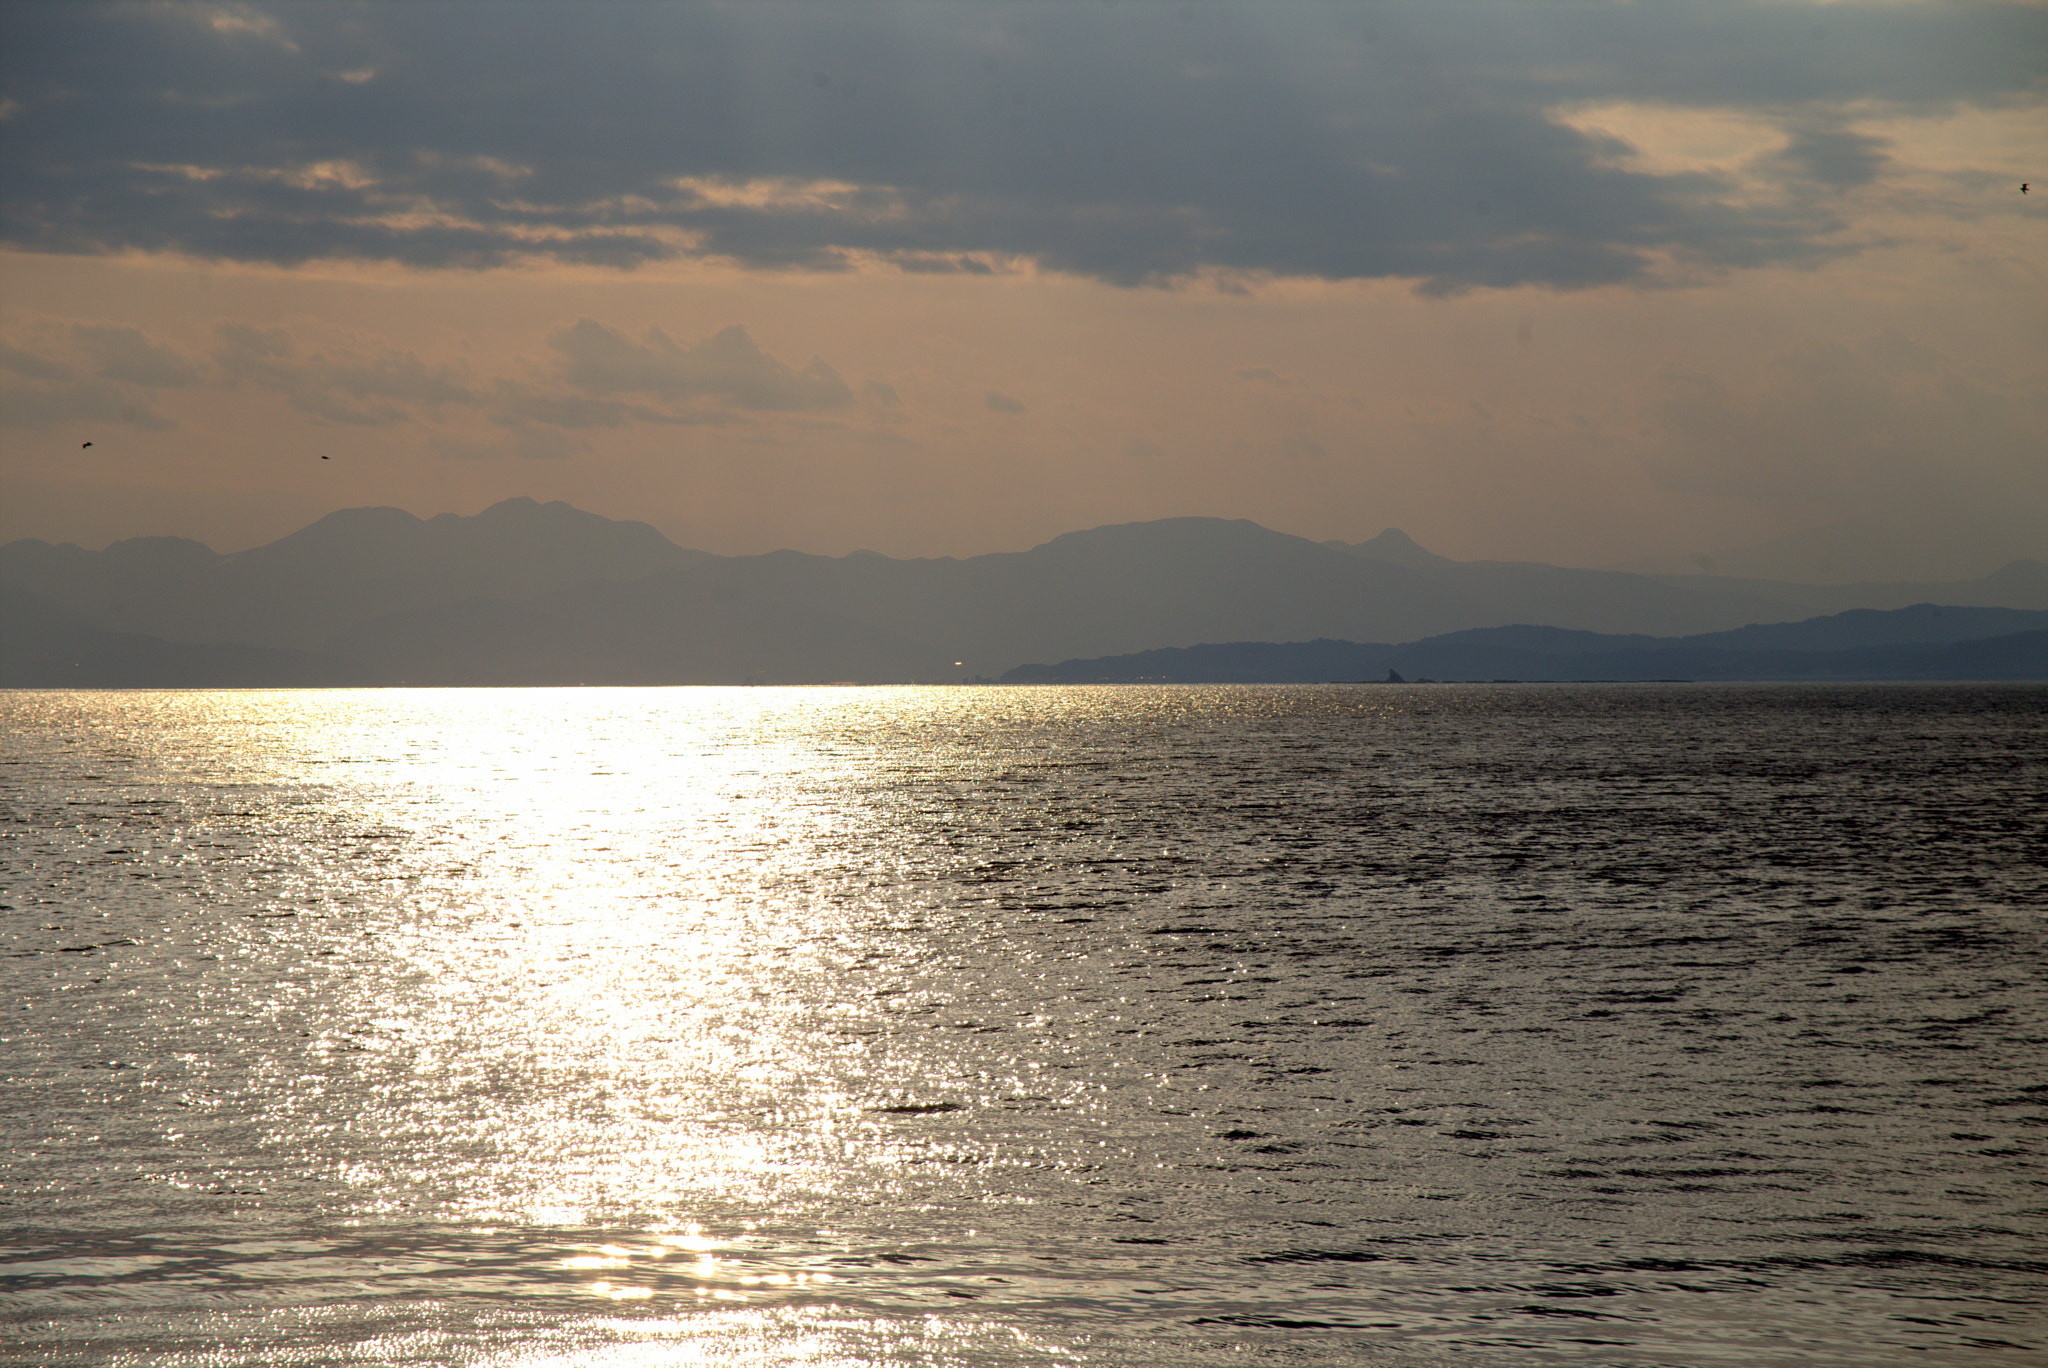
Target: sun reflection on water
[869,1026]
[795,1338]
[622,959]
[570,957]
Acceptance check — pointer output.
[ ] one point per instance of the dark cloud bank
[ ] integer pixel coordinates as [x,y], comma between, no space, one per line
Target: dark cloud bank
[1135,143]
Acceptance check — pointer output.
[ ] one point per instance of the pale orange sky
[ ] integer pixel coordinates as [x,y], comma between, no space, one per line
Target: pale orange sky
[1890,367]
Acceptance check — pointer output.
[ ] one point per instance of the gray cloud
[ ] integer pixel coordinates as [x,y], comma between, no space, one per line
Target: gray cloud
[87,372]
[601,379]
[561,410]
[1833,157]
[400,376]
[540,443]
[32,364]
[1299,446]
[1127,144]
[1002,403]
[124,353]
[44,405]
[727,365]
[375,390]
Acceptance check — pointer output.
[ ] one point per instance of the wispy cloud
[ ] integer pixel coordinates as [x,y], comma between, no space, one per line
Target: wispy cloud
[727,365]
[99,373]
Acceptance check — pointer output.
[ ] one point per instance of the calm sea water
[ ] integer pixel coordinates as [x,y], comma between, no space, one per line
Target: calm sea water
[1615,1025]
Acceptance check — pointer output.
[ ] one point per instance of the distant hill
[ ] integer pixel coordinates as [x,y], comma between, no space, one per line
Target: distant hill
[43,648]
[544,593]
[1920,642]
[348,568]
[1396,548]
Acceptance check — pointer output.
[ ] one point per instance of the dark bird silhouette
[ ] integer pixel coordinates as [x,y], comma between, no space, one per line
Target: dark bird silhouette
[2023,187]
[323,458]
[84,445]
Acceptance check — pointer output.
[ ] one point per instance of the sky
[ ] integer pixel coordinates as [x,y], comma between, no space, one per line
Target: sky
[1592,284]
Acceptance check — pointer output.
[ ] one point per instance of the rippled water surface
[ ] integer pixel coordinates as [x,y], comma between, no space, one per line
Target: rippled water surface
[1465,1025]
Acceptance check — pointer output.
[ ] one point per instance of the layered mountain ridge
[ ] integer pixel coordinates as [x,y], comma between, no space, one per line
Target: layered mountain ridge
[531,593]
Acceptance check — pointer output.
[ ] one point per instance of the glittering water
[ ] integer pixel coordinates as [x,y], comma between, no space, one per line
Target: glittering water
[1179,1026]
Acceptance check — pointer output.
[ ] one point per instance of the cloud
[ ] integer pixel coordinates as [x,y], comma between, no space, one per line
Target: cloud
[37,406]
[728,365]
[340,383]
[1299,446]
[1002,403]
[34,365]
[241,21]
[513,437]
[542,443]
[595,377]
[86,372]
[1833,157]
[1428,142]
[524,402]
[124,353]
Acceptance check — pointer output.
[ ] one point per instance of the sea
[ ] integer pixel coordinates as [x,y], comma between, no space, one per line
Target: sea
[1430,1025]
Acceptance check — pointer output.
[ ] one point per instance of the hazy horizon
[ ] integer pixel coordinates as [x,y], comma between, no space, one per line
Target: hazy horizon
[1567,283]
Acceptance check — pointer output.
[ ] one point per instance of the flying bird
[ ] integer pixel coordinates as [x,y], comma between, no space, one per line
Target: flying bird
[83,445]
[323,458]
[2023,187]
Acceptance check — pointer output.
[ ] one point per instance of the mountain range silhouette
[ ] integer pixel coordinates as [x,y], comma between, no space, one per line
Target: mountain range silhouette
[531,593]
